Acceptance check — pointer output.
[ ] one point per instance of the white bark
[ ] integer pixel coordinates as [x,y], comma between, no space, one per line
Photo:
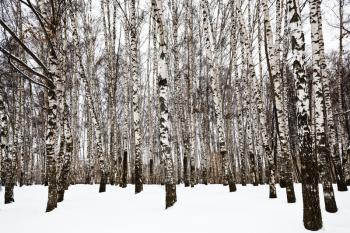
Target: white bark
[214,85]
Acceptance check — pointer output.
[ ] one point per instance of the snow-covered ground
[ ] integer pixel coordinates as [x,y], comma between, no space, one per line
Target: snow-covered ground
[201,209]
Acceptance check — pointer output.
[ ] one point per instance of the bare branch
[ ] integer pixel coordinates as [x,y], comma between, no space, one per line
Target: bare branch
[26,76]
[125,15]
[36,59]
[7,53]
[343,113]
[43,27]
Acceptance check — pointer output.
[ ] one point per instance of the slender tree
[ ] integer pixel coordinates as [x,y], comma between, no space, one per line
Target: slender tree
[170,185]
[312,213]
[135,98]
[214,85]
[6,150]
[321,149]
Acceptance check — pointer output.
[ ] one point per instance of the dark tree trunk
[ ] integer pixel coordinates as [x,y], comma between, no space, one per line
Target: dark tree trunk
[151,172]
[187,182]
[125,170]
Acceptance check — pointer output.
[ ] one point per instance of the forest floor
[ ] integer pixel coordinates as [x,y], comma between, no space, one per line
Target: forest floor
[200,209]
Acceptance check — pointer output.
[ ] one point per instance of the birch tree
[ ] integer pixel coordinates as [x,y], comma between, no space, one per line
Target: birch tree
[321,149]
[170,185]
[214,86]
[6,150]
[135,98]
[330,121]
[278,95]
[311,203]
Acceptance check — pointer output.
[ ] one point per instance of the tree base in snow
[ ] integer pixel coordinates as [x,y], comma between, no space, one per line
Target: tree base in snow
[311,203]
[329,199]
[313,226]
[138,187]
[9,194]
[282,183]
[138,180]
[331,205]
[290,193]
[170,195]
[232,186]
[9,200]
[51,206]
[60,195]
[52,197]
[272,195]
[272,191]
[102,184]
[341,186]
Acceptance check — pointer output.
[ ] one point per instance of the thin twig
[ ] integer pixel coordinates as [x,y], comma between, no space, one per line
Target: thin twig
[7,53]
[36,59]
[26,76]
[39,17]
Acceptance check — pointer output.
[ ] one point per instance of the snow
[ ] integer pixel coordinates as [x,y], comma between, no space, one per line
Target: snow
[200,209]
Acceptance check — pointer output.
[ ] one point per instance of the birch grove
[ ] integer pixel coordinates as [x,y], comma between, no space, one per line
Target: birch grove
[173,92]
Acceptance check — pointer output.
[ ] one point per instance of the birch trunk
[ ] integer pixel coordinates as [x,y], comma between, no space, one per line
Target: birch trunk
[135,98]
[170,185]
[311,203]
[88,93]
[6,153]
[322,150]
[281,114]
[215,87]
[51,132]
[63,178]
[330,123]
